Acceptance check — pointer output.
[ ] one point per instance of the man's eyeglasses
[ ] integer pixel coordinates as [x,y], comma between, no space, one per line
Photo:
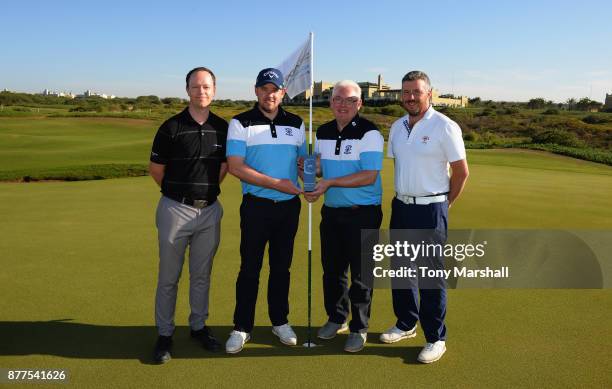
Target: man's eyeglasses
[348,101]
[415,92]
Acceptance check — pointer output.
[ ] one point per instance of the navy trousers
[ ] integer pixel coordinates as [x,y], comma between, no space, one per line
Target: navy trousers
[431,310]
[341,250]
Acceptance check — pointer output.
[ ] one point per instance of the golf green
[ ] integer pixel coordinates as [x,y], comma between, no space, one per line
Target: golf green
[79,267]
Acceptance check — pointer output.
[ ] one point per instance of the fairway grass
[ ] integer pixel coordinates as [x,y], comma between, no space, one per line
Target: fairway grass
[79,267]
[57,147]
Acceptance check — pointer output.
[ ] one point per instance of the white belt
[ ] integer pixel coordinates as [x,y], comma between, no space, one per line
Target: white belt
[421,200]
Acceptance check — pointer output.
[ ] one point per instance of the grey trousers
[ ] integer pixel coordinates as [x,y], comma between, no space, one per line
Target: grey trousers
[180,225]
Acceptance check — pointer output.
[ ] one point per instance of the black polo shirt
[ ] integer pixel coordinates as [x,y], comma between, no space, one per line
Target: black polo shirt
[192,153]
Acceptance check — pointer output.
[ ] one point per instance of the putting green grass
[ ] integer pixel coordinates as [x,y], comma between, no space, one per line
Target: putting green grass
[79,267]
[32,145]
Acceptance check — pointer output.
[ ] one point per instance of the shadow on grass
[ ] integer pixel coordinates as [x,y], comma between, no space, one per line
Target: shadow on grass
[67,339]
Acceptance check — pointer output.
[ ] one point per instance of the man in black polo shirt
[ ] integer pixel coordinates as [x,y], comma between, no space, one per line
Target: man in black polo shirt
[188,162]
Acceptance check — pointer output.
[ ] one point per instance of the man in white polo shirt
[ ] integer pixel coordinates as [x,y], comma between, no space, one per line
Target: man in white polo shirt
[423,143]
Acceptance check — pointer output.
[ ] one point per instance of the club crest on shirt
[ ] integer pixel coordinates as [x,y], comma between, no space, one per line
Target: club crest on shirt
[288,131]
[425,139]
[347,149]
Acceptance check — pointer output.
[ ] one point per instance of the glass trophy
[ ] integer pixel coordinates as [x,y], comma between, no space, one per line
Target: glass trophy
[310,172]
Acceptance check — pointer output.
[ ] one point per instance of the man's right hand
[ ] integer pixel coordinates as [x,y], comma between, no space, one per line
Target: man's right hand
[310,198]
[287,186]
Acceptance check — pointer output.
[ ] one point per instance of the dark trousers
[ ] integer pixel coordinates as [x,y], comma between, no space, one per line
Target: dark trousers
[432,308]
[262,222]
[340,249]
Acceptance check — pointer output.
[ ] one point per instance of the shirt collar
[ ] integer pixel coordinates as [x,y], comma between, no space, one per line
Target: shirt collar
[260,115]
[429,113]
[187,116]
[353,123]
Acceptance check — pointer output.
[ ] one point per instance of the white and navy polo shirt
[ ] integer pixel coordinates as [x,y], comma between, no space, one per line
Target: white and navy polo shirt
[359,146]
[271,147]
[422,153]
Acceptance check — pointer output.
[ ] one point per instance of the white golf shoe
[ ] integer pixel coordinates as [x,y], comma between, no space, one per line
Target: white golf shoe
[432,352]
[236,341]
[394,334]
[285,334]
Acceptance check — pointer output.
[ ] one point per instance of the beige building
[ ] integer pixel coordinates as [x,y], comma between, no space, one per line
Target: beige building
[450,101]
[378,91]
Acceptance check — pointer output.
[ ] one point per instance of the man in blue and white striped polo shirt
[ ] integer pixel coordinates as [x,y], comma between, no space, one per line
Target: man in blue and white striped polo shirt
[351,155]
[263,145]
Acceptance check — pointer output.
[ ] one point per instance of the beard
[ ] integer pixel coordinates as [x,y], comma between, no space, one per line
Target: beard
[266,107]
[416,107]
[414,111]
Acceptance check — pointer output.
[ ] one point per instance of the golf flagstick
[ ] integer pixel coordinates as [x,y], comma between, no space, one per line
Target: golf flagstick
[309,343]
[298,72]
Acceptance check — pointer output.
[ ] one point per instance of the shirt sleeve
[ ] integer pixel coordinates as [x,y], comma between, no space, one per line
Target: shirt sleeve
[236,139]
[224,151]
[371,152]
[452,144]
[389,145]
[160,152]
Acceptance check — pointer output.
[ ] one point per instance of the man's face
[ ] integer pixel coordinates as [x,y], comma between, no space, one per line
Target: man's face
[344,104]
[201,89]
[415,97]
[269,97]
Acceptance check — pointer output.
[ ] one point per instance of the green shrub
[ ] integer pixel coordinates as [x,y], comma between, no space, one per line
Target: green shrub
[392,110]
[595,119]
[486,112]
[551,111]
[471,136]
[559,137]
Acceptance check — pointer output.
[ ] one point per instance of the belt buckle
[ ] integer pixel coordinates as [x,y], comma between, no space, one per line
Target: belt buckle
[200,203]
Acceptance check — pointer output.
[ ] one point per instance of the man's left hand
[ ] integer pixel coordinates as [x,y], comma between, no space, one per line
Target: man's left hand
[320,188]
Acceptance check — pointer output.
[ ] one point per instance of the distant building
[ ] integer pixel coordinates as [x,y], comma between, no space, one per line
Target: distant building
[321,91]
[608,102]
[89,93]
[375,92]
[48,92]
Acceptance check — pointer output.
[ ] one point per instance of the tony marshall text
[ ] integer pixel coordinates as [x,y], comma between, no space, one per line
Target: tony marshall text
[455,272]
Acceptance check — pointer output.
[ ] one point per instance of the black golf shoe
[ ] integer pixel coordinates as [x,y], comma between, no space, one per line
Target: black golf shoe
[206,338]
[162,349]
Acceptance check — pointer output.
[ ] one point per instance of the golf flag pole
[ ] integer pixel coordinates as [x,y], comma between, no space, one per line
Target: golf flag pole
[297,70]
[310,343]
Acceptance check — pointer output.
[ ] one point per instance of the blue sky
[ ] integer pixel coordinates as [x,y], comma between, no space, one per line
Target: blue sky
[508,51]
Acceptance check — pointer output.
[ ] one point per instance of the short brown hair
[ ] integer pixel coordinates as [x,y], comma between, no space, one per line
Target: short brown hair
[200,69]
[417,75]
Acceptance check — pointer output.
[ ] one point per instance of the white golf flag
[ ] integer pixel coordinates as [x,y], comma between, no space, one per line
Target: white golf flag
[297,70]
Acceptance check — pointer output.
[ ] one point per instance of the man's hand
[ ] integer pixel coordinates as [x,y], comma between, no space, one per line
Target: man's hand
[310,197]
[244,172]
[459,175]
[320,188]
[286,186]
